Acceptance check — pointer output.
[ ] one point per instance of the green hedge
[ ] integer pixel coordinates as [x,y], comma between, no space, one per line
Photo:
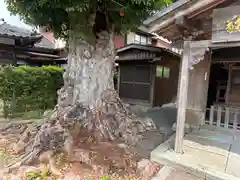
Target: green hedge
[27,88]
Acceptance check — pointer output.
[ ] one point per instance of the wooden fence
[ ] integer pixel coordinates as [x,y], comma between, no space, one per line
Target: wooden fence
[224,116]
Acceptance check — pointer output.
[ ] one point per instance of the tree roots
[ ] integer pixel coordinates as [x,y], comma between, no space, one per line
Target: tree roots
[113,121]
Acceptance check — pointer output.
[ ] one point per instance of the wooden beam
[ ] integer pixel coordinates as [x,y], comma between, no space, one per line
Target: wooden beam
[182,97]
[210,6]
[202,43]
[225,60]
[197,6]
[208,43]
[183,22]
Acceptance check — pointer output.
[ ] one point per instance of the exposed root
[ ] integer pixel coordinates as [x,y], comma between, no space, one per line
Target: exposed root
[115,121]
[15,165]
[61,132]
[48,158]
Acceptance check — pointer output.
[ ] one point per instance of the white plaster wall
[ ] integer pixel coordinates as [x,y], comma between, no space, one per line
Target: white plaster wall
[59,43]
[7,41]
[130,37]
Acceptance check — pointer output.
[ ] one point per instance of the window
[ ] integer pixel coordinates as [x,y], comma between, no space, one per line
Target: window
[159,71]
[162,71]
[137,39]
[140,39]
[149,40]
[143,40]
[166,72]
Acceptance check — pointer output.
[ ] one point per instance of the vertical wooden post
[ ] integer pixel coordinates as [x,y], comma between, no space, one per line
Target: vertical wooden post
[182,97]
[227,114]
[118,79]
[229,81]
[235,123]
[208,56]
[153,77]
[211,115]
[219,115]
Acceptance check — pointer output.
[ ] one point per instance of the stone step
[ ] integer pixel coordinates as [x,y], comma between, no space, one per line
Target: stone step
[164,154]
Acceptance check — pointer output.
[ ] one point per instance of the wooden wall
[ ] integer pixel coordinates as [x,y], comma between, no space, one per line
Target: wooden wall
[198,91]
[166,88]
[219,29]
[160,90]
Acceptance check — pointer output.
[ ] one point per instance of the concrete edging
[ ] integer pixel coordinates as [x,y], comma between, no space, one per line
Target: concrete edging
[205,174]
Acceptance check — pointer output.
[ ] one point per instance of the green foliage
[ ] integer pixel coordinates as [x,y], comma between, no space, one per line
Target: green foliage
[105,178]
[26,88]
[81,16]
[233,25]
[33,115]
[33,175]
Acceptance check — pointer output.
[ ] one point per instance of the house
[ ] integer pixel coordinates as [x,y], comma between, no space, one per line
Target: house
[20,46]
[208,33]
[48,36]
[148,67]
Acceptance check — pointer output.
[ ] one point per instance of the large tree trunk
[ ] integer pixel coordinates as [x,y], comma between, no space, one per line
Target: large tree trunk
[89,93]
[88,102]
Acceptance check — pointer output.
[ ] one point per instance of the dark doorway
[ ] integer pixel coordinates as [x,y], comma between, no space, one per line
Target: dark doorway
[135,81]
[217,84]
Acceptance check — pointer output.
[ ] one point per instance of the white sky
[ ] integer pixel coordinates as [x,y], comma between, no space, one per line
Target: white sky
[13,20]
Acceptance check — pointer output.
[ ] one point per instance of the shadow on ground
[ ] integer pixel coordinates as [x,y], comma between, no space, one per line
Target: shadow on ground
[163,118]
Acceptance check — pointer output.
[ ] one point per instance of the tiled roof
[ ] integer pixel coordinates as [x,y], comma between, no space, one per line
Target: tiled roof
[148,47]
[14,31]
[45,43]
[17,32]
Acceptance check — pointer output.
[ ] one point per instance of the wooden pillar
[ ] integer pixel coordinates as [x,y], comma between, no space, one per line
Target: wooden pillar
[182,97]
[153,76]
[118,79]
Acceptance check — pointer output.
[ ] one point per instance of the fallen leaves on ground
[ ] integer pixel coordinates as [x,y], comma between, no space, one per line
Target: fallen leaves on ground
[90,161]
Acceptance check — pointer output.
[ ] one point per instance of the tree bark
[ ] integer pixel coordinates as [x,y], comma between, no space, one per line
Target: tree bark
[89,72]
[88,102]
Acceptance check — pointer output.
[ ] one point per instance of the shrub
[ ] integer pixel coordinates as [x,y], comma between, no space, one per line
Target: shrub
[27,88]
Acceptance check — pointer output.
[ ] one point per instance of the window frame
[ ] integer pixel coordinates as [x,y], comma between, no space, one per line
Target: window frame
[136,41]
[162,74]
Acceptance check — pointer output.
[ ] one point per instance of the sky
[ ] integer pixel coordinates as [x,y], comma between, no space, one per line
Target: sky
[13,20]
